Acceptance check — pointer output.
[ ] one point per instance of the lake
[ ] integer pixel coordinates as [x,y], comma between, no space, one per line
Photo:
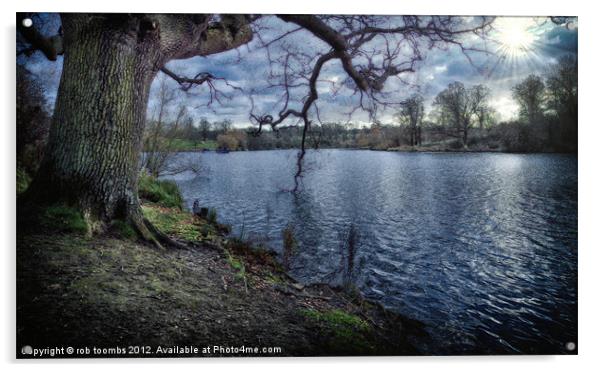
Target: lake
[481,247]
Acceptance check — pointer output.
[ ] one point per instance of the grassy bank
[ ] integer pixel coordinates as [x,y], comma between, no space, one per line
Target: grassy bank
[183,145]
[112,290]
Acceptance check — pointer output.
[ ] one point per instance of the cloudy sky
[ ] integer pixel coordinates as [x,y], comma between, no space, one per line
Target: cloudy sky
[517,47]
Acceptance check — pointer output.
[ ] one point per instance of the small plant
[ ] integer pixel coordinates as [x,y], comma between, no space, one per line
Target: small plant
[237,265]
[212,215]
[289,246]
[349,247]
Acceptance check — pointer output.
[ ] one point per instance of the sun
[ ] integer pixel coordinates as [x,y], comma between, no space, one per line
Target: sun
[514,35]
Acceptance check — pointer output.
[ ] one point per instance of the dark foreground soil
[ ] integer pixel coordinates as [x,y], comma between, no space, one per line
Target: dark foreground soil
[128,299]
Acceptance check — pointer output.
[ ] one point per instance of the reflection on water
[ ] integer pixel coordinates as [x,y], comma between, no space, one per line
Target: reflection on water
[481,247]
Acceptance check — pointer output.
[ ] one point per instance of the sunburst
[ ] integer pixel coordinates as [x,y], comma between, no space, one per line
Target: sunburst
[515,36]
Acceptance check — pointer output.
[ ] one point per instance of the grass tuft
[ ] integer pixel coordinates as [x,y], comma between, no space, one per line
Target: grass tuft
[162,192]
[212,215]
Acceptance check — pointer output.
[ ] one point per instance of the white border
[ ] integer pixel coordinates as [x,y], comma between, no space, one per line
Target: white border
[590,137]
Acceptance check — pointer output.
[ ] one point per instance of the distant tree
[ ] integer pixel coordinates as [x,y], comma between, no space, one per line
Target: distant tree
[160,135]
[412,113]
[530,96]
[223,126]
[481,109]
[562,98]
[460,105]
[204,128]
[188,128]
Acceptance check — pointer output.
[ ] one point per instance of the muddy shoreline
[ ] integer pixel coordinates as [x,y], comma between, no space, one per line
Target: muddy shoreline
[117,293]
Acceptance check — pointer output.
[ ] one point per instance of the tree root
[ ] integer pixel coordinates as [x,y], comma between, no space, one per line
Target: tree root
[148,232]
[163,238]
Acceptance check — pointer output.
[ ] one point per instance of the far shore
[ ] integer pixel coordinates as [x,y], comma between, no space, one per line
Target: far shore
[408,149]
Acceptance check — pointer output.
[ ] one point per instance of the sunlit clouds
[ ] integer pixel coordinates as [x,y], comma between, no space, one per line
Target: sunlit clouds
[514,48]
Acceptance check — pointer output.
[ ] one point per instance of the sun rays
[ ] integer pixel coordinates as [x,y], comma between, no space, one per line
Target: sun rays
[516,36]
[516,46]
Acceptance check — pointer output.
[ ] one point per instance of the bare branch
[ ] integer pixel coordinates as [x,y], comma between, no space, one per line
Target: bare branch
[187,83]
[371,49]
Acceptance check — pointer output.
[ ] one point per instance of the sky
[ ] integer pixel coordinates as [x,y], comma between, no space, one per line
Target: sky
[515,48]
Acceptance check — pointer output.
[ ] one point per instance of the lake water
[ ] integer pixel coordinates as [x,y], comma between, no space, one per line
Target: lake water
[480,247]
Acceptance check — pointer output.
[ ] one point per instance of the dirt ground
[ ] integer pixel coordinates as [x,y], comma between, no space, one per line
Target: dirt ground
[130,298]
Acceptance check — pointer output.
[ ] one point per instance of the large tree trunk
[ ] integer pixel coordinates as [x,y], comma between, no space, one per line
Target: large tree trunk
[96,134]
[110,61]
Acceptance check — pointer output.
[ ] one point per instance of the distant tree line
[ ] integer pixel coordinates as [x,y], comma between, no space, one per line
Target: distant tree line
[548,110]
[461,118]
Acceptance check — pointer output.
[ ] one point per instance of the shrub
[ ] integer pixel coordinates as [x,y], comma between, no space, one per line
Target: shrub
[227,141]
[162,192]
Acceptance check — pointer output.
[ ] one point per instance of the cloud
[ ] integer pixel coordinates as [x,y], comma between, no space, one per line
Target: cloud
[249,68]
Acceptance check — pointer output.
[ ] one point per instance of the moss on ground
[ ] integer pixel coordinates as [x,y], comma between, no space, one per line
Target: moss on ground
[179,224]
[103,290]
[345,332]
[64,219]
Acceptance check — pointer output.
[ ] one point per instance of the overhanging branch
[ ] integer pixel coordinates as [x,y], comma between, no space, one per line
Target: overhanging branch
[187,83]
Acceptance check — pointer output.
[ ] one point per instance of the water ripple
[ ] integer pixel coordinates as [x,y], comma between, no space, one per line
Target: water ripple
[481,247]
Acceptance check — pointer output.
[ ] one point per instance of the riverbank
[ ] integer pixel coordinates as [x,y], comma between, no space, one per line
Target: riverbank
[113,291]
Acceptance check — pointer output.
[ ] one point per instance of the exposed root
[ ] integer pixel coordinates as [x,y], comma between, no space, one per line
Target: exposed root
[163,238]
[148,232]
[138,223]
